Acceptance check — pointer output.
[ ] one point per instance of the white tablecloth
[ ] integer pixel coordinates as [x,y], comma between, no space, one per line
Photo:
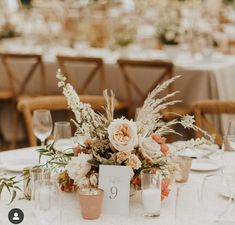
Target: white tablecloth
[189,210]
[210,78]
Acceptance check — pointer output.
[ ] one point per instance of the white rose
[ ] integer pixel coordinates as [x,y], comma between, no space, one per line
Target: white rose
[78,167]
[123,134]
[94,179]
[83,183]
[151,147]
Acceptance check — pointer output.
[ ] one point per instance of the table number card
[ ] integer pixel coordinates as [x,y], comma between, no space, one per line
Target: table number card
[115,181]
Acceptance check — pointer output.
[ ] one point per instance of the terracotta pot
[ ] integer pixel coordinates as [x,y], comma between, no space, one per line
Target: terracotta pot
[91,200]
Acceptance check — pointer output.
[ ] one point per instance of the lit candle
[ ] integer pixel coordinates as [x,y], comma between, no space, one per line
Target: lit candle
[152,201]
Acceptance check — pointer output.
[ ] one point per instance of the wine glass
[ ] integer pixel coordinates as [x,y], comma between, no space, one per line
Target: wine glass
[214,201]
[187,204]
[47,202]
[42,124]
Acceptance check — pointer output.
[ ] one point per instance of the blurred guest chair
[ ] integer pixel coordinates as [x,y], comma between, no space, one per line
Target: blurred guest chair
[164,71]
[96,73]
[53,103]
[18,83]
[211,107]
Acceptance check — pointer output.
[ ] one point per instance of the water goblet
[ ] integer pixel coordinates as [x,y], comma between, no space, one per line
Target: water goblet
[42,124]
[214,203]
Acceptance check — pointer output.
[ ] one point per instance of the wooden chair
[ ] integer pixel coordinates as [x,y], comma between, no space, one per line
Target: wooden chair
[18,83]
[154,64]
[166,73]
[211,107]
[53,103]
[164,70]
[98,70]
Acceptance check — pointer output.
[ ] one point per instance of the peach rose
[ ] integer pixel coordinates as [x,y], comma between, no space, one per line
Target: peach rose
[164,149]
[134,162]
[123,135]
[122,156]
[165,188]
[158,138]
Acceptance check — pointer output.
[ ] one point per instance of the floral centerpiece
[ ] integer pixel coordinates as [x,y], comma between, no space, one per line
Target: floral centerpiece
[104,140]
[138,143]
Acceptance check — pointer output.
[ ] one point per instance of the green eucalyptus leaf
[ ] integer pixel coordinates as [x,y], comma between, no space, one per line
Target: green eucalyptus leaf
[13,196]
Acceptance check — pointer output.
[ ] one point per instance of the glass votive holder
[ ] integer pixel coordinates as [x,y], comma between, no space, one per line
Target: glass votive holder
[151,192]
[31,176]
[91,201]
[184,163]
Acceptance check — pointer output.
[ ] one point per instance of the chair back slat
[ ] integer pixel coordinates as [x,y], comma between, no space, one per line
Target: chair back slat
[167,72]
[98,70]
[24,83]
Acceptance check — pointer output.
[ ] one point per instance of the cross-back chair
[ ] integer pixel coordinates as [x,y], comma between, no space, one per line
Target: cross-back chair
[124,64]
[53,103]
[97,70]
[167,68]
[18,83]
[211,107]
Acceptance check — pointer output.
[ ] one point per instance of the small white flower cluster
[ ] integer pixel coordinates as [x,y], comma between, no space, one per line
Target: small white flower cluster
[87,121]
[187,121]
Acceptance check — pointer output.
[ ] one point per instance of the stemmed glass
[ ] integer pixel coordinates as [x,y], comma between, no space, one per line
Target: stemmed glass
[42,124]
[47,202]
[215,196]
[187,204]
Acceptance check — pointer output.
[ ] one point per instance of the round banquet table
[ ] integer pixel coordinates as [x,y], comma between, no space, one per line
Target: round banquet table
[189,210]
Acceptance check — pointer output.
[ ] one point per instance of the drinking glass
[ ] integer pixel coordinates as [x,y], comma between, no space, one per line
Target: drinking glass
[184,163]
[187,204]
[214,202]
[231,128]
[62,130]
[62,135]
[229,138]
[47,202]
[229,142]
[42,124]
[151,192]
[35,174]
